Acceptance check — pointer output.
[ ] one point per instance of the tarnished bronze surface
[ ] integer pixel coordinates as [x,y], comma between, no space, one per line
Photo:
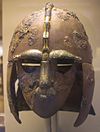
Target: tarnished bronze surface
[51,59]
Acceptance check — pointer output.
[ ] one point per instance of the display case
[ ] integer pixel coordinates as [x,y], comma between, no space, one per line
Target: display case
[88,13]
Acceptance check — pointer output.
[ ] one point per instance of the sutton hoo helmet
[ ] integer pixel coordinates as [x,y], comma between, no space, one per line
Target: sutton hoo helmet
[50,58]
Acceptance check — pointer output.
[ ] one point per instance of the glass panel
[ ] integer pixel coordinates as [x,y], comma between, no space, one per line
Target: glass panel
[1,76]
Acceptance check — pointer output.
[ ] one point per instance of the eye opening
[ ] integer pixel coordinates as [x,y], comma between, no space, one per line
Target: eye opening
[64,65]
[30,65]
[63,69]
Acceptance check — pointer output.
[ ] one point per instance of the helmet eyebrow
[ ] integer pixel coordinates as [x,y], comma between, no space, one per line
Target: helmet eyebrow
[33,53]
[63,54]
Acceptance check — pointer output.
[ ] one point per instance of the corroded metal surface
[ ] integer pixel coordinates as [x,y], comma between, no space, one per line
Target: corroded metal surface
[65,15]
[51,59]
[88,88]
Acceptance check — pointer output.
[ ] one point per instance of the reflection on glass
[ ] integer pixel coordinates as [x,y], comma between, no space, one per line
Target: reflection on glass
[2,129]
[1,88]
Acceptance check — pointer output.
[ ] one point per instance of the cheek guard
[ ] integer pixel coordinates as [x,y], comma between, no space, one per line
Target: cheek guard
[87,93]
[16,100]
[74,88]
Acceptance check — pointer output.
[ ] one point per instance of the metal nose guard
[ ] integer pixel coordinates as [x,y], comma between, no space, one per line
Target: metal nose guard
[44,75]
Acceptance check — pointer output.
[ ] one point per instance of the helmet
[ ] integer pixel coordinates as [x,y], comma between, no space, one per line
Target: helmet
[50,58]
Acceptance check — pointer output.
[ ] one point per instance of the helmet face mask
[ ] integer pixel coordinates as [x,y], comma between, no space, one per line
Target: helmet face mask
[39,80]
[51,75]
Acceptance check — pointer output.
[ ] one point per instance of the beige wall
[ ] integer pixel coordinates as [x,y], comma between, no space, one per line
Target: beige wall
[88,12]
